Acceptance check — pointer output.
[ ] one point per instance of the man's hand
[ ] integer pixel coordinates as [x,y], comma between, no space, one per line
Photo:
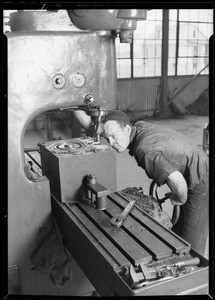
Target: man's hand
[174,198]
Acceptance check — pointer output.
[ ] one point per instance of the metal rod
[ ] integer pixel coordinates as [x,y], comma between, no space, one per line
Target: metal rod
[186,84]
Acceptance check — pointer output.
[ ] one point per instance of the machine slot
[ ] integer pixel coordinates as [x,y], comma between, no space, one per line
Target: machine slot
[100,238]
[139,233]
[177,244]
[35,156]
[134,252]
[32,168]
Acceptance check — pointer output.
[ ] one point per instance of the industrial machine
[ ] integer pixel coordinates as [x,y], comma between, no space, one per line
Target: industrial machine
[53,63]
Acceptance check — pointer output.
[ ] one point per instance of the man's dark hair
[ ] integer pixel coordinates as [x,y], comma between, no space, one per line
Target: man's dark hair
[117,115]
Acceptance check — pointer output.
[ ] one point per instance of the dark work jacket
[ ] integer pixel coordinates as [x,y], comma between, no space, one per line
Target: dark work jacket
[160,151]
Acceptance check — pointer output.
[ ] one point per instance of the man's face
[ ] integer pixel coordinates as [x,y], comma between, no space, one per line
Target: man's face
[118,136]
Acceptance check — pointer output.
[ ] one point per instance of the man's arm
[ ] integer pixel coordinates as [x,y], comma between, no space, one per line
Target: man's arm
[178,186]
[84,119]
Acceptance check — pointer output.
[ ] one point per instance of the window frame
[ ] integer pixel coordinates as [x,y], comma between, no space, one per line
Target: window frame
[177,57]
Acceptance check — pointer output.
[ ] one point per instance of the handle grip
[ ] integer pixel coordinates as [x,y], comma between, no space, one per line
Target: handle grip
[189,262]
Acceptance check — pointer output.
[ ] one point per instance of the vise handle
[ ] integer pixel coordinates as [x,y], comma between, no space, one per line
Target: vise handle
[119,218]
[144,272]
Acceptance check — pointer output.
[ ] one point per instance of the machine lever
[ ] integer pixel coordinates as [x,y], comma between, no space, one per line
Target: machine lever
[119,218]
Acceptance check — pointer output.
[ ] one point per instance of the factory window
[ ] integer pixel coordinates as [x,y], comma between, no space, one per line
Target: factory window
[142,58]
[194,33]
[189,33]
[6,19]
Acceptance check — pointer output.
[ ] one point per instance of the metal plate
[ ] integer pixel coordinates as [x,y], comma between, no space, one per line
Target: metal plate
[68,146]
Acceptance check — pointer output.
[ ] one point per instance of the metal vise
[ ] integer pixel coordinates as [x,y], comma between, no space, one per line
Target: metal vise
[96,192]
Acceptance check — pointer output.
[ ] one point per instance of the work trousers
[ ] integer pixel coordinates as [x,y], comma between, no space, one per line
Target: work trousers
[193,223]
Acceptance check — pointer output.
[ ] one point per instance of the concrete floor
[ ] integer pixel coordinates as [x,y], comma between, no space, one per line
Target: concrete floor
[128,172]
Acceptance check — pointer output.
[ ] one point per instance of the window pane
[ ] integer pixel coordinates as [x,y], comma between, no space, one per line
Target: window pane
[172,48]
[147,49]
[172,30]
[206,15]
[122,49]
[194,48]
[206,62]
[200,15]
[155,14]
[139,68]
[157,71]
[139,50]
[194,15]
[171,66]
[172,14]
[199,64]
[172,43]
[147,67]
[184,31]
[148,30]
[182,66]
[205,31]
[192,65]
[188,15]
[123,68]
[194,31]
[184,14]
[139,33]
[183,48]
[157,49]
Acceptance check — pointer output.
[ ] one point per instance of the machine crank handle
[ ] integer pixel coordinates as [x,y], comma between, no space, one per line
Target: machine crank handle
[119,218]
[149,274]
[195,261]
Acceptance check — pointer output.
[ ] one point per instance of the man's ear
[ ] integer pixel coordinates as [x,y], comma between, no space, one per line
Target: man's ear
[128,128]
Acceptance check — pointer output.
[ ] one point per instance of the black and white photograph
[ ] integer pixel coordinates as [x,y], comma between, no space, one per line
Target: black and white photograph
[108,155]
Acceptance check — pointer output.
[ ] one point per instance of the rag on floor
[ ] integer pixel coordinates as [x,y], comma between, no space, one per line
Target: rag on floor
[52,258]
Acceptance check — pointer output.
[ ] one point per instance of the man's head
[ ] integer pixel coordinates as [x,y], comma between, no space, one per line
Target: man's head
[117,130]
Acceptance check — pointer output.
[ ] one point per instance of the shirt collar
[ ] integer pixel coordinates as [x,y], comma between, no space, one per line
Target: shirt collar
[132,135]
